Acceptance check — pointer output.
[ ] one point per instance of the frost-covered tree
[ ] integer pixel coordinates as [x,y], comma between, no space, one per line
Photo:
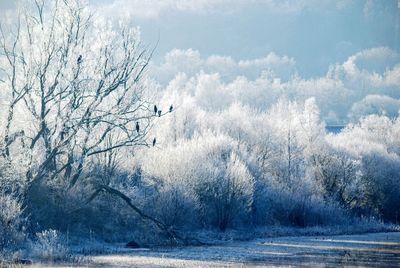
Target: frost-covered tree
[73,90]
[200,180]
[373,143]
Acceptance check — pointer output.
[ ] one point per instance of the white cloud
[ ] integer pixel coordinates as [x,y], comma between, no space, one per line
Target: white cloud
[392,77]
[378,7]
[153,8]
[376,67]
[375,104]
[191,62]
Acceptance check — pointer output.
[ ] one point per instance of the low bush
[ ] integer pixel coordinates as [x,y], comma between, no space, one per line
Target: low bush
[50,246]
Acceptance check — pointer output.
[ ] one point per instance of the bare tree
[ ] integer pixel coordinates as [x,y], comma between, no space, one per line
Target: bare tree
[74,88]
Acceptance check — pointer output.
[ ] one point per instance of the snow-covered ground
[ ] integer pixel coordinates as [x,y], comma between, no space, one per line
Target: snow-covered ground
[376,249]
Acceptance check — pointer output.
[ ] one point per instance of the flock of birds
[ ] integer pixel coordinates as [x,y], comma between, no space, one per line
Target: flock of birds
[156,110]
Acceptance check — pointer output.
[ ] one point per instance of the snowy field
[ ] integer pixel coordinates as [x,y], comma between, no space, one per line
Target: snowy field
[376,250]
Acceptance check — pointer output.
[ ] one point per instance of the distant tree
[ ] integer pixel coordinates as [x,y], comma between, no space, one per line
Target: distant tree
[371,166]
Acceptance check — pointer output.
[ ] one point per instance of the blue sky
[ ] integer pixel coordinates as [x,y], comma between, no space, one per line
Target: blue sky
[314,33]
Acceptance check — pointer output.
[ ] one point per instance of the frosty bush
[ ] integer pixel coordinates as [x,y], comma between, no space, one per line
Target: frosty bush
[226,193]
[175,207]
[50,246]
[11,223]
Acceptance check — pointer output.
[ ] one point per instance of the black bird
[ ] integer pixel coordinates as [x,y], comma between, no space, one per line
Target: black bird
[171,108]
[159,113]
[79,61]
[137,127]
[154,141]
[155,109]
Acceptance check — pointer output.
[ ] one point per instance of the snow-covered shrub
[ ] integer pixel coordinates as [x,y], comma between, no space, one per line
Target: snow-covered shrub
[11,223]
[175,206]
[380,180]
[199,180]
[374,143]
[296,209]
[50,245]
[226,193]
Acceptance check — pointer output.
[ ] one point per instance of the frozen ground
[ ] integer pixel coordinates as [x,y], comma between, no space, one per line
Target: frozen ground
[377,250]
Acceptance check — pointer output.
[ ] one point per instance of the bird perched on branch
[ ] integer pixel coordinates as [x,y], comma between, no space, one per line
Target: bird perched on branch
[79,61]
[171,108]
[155,109]
[159,113]
[137,127]
[154,141]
